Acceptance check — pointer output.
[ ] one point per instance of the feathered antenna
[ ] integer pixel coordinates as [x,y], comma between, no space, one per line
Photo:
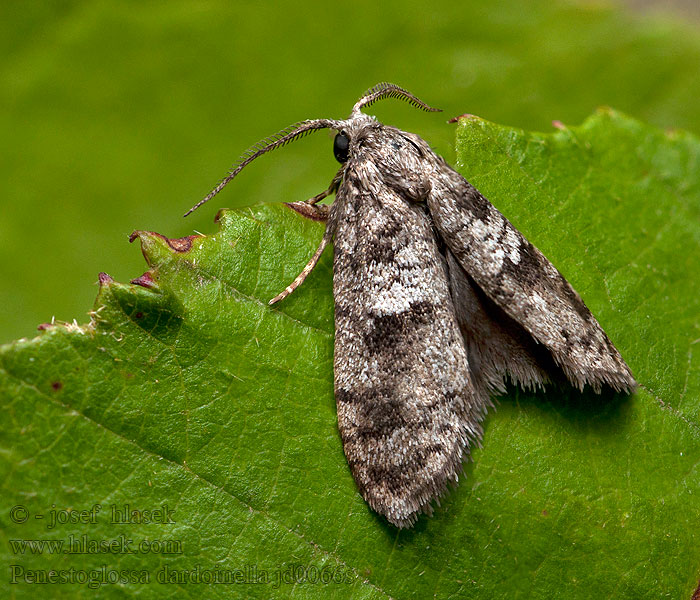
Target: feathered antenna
[390,90]
[289,134]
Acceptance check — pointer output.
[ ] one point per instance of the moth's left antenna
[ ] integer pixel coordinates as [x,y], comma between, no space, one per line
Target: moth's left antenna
[291,133]
[390,90]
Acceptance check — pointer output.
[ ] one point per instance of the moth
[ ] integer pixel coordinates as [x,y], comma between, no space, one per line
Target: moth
[439,302]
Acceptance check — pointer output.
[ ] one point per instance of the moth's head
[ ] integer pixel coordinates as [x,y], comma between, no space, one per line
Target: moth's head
[349,131]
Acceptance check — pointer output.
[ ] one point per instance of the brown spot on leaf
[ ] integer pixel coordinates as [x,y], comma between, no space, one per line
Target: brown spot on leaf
[696,593]
[181,245]
[57,386]
[146,280]
[462,116]
[104,279]
[45,326]
[138,315]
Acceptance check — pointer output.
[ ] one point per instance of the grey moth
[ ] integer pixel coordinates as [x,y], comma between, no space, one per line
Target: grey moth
[439,301]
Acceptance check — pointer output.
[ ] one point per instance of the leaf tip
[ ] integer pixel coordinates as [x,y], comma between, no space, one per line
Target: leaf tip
[104,279]
[465,116]
[179,245]
[220,215]
[605,111]
[146,280]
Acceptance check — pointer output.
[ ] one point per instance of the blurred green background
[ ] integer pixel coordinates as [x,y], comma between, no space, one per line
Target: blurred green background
[119,116]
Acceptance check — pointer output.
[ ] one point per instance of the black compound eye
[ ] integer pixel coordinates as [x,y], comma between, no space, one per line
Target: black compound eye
[341,147]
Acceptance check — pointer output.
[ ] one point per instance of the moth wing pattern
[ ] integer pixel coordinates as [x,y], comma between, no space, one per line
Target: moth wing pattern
[520,280]
[407,407]
[439,300]
[498,348]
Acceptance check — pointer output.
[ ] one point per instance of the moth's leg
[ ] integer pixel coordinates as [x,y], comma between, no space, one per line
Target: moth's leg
[332,188]
[315,212]
[310,208]
[307,269]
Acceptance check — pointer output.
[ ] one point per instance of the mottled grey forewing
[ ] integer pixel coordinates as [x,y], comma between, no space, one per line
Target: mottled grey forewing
[407,409]
[518,278]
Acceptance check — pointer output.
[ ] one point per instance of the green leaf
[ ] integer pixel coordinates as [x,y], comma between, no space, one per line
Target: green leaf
[186,390]
[121,115]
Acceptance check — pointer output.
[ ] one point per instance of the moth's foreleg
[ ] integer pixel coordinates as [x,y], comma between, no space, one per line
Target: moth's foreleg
[315,212]
[332,188]
[309,209]
[307,269]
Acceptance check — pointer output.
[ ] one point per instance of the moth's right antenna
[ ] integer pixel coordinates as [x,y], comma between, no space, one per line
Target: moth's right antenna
[390,90]
[291,133]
